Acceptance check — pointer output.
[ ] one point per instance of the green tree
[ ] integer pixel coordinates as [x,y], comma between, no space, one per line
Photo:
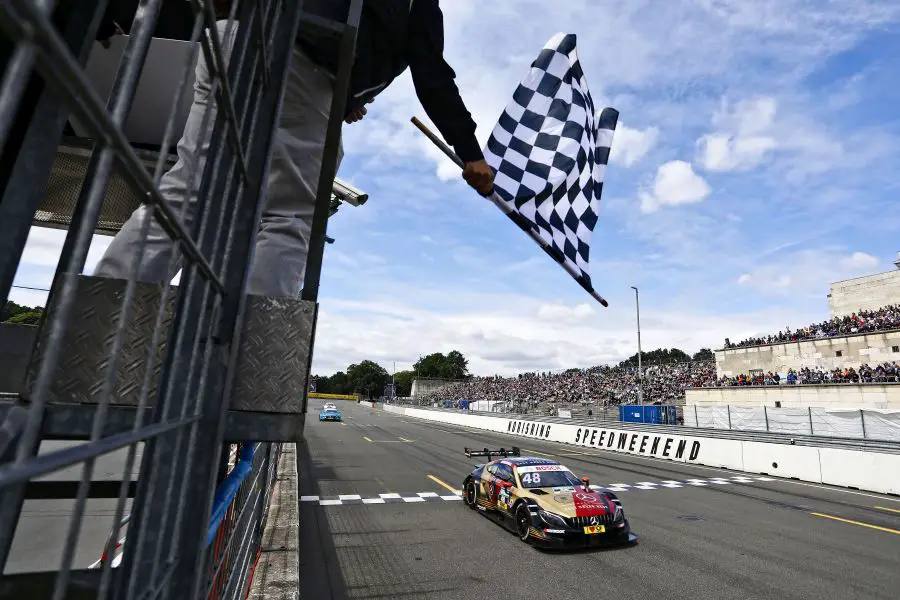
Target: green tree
[704,354]
[404,380]
[455,365]
[26,318]
[12,309]
[334,384]
[659,356]
[368,378]
[452,366]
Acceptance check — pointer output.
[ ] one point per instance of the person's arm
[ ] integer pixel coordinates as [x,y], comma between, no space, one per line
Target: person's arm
[436,89]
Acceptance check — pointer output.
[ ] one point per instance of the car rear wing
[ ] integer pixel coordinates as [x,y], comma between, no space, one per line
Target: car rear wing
[471,452]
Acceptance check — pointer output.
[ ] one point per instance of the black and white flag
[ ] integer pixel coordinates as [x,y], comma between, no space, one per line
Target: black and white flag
[549,150]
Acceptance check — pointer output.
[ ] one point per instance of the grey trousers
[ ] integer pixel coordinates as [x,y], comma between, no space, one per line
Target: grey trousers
[279,260]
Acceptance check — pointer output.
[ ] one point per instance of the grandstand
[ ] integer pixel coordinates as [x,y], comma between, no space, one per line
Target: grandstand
[578,389]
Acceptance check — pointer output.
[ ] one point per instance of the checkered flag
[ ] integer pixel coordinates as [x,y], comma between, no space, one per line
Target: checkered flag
[549,150]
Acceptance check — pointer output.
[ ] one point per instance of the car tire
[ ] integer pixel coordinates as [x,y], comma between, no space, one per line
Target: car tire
[523,522]
[470,493]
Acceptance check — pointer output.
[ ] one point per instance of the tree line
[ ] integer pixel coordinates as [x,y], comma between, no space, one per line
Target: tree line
[663,356]
[16,314]
[370,379]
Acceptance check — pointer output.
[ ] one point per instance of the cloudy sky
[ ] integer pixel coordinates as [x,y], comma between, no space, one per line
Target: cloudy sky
[754,163]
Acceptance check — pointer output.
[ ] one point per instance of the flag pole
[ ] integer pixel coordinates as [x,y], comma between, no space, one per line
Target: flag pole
[502,206]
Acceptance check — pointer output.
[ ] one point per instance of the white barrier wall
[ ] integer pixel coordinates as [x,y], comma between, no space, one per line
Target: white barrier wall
[873,471]
[870,395]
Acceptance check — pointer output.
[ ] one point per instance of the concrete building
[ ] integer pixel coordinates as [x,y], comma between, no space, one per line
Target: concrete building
[872,395]
[869,292]
[827,353]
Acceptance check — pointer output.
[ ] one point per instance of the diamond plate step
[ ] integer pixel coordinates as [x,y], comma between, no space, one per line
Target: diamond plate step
[273,360]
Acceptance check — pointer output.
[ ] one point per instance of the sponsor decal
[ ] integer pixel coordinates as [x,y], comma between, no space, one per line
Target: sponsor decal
[503,499]
[528,428]
[589,504]
[563,498]
[539,468]
[646,444]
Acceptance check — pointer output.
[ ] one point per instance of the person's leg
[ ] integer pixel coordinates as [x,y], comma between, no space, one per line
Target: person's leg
[279,261]
[174,185]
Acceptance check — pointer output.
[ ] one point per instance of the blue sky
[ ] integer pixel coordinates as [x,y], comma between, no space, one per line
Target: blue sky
[754,164]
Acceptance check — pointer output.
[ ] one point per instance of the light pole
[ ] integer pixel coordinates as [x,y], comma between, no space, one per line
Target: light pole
[637,304]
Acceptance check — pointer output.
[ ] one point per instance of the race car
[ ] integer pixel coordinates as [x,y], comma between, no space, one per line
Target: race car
[543,502]
[330,414]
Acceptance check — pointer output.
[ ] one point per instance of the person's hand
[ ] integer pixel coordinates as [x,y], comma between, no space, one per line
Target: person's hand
[358,115]
[480,176]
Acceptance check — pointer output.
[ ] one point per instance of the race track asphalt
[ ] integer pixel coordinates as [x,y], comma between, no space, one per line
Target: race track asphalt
[752,539]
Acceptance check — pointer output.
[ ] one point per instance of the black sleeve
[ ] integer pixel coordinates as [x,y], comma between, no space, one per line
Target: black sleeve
[434,80]
[107,26]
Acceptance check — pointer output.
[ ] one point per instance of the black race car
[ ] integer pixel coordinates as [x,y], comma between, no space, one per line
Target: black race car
[543,502]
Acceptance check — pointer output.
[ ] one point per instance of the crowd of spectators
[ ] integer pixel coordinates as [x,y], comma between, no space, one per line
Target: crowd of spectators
[888,372]
[594,387]
[862,321]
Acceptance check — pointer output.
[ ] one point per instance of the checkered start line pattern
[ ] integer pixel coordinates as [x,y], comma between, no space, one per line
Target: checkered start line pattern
[350,499]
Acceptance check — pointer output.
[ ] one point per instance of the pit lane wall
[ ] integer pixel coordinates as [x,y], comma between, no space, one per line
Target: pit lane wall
[865,470]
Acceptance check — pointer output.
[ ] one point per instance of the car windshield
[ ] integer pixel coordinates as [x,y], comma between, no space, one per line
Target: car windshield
[558,477]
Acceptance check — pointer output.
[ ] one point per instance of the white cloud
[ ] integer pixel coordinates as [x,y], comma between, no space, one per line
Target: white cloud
[744,137]
[556,312]
[859,260]
[630,145]
[676,184]
[44,246]
[500,335]
[808,271]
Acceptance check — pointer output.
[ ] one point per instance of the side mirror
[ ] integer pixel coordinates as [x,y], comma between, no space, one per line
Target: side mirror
[586,483]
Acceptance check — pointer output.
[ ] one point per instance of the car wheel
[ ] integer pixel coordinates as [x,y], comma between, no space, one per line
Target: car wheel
[523,522]
[470,493]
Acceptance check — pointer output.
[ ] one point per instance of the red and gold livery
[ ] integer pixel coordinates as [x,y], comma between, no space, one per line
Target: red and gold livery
[543,502]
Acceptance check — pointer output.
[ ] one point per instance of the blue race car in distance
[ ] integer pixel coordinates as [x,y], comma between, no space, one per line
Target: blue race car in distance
[330,414]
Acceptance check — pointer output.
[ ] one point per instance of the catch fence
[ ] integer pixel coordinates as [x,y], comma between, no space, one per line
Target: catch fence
[151,380]
[865,423]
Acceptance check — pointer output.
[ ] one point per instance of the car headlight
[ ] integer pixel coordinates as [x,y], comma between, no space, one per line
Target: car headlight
[620,514]
[551,519]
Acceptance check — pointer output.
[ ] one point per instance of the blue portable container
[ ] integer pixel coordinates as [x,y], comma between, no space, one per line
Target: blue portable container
[647,413]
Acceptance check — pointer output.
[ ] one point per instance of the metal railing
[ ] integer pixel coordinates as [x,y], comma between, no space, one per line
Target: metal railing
[171,441]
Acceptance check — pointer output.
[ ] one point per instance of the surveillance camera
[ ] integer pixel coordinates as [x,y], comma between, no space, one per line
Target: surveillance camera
[349,194]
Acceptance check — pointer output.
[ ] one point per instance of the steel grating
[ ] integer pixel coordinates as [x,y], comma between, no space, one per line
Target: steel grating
[70,166]
[271,371]
[274,355]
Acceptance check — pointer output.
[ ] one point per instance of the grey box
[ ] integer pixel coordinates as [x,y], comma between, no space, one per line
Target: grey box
[272,371]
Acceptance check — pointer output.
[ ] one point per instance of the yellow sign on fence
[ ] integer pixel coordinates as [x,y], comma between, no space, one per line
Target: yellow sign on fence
[334,396]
